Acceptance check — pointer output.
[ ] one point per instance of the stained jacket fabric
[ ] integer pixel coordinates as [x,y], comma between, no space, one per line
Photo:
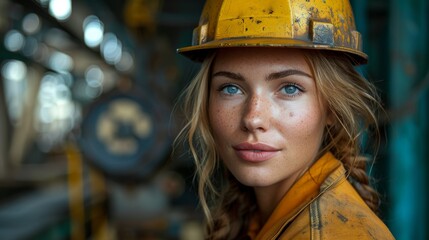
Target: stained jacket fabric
[322,204]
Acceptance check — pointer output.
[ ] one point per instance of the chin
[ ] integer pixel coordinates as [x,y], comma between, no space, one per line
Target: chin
[252,181]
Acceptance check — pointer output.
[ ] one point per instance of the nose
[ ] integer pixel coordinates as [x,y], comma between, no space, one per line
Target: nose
[256,115]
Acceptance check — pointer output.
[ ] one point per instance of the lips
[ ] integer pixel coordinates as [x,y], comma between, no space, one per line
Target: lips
[255,152]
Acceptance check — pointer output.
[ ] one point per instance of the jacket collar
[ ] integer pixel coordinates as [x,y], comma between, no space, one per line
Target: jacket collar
[321,175]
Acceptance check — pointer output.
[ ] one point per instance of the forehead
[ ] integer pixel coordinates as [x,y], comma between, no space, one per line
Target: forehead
[260,56]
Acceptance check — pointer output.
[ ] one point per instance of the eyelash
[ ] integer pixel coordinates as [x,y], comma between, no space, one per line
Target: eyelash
[299,88]
[224,86]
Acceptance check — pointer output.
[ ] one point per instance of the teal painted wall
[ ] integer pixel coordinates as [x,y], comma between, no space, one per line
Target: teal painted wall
[396,40]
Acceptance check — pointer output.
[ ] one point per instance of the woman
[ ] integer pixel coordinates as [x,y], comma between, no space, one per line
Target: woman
[275,119]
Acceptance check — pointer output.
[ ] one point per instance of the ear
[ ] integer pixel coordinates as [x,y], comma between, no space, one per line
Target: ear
[330,118]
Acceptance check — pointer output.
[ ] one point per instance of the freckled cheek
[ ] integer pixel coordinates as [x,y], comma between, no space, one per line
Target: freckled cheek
[222,119]
[303,124]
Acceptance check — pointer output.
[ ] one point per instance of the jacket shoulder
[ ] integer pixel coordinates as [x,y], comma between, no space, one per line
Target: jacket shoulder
[340,213]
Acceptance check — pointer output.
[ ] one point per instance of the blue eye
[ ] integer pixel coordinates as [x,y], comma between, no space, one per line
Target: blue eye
[291,89]
[230,90]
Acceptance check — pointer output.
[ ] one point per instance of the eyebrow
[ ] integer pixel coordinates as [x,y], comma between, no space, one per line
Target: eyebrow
[235,76]
[285,73]
[272,76]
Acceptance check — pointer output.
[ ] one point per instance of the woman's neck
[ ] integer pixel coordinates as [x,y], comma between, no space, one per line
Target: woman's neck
[269,197]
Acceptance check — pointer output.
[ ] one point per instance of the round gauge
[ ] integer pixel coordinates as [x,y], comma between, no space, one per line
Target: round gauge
[126,135]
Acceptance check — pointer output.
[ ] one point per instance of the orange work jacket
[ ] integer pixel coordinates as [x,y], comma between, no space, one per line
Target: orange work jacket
[322,204]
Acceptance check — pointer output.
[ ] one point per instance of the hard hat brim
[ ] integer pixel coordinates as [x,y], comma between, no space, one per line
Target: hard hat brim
[199,52]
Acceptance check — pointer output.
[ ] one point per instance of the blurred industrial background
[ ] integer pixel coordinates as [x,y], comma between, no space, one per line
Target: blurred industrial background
[87,90]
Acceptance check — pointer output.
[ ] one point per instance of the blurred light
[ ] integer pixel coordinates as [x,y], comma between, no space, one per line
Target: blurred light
[84,92]
[54,98]
[126,63]
[62,94]
[67,78]
[64,110]
[45,114]
[94,76]
[14,70]
[15,109]
[47,88]
[93,31]
[14,73]
[60,62]
[111,48]
[56,112]
[60,9]
[14,41]
[92,92]
[44,3]
[31,23]
[30,47]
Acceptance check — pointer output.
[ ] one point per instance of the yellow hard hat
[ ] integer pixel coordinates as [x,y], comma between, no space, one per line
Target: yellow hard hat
[309,24]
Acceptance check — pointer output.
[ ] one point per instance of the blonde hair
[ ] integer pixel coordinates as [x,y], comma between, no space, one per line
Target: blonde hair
[351,100]
[354,103]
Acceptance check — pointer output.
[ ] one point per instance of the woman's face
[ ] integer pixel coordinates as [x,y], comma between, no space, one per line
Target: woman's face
[265,114]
